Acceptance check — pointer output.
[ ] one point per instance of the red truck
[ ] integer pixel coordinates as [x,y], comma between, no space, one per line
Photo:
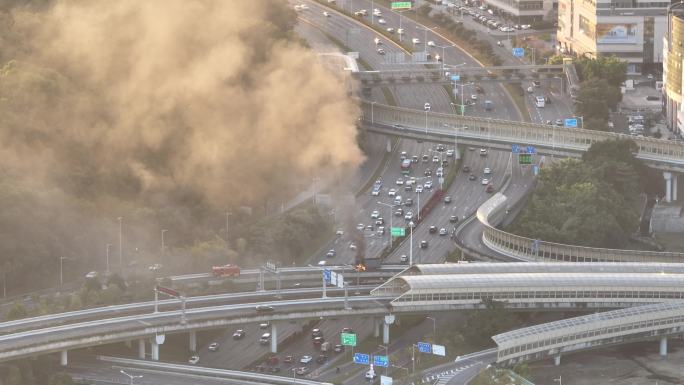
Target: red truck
[226,271]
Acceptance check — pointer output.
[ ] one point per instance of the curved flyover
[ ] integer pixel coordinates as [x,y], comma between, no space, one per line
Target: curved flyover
[591,332]
[662,154]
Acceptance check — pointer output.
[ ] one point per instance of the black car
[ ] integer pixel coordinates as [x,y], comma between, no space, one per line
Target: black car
[264,309]
[423,244]
[472,177]
[274,369]
[466,169]
[408,202]
[321,359]
[433,229]
[316,333]
[428,172]
[453,219]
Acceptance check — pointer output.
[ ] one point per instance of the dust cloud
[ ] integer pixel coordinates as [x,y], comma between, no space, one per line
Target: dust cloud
[111,107]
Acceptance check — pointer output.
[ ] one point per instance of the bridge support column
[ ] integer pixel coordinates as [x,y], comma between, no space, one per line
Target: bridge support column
[376,327]
[141,348]
[675,179]
[63,358]
[385,333]
[556,360]
[668,186]
[274,338]
[663,346]
[128,344]
[193,341]
[156,341]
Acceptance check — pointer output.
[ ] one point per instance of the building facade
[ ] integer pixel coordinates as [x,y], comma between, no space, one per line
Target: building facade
[628,29]
[524,11]
[673,51]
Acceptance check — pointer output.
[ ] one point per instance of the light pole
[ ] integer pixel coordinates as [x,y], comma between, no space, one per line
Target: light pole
[390,216]
[434,329]
[426,29]
[61,276]
[121,243]
[462,105]
[107,268]
[444,53]
[228,214]
[426,112]
[400,12]
[130,377]
[411,224]
[294,375]
[162,243]
[386,355]
[372,113]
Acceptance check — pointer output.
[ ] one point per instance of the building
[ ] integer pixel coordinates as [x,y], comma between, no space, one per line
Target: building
[524,11]
[628,29]
[673,48]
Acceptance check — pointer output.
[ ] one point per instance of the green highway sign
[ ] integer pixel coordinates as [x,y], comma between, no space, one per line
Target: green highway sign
[348,339]
[401,5]
[524,158]
[398,231]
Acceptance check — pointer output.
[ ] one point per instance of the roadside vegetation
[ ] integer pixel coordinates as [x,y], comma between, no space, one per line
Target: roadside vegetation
[589,202]
[44,370]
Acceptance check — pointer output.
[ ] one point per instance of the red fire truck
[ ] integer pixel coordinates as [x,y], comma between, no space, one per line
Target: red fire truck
[226,271]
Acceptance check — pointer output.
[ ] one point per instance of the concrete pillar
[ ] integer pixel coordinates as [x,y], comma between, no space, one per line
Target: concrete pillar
[141,348]
[668,186]
[663,346]
[675,181]
[155,351]
[556,360]
[376,329]
[63,358]
[128,344]
[385,333]
[274,338]
[193,341]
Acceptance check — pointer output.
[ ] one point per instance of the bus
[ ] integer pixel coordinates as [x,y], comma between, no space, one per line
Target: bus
[405,166]
[540,102]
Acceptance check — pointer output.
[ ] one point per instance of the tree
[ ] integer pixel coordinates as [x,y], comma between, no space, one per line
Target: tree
[482,324]
[17,311]
[595,98]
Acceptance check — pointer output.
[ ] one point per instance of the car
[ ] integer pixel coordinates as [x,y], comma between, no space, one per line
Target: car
[450,153]
[302,371]
[381,51]
[442,231]
[399,212]
[305,359]
[370,375]
[399,182]
[435,159]
[193,359]
[536,83]
[423,244]
[548,122]
[471,148]
[428,172]
[427,106]
[431,43]
[155,267]
[326,13]
[466,169]
[264,325]
[92,275]
[440,172]
[559,122]
[525,26]
[440,147]
[400,31]
[485,181]
[264,309]
[316,333]
[447,199]
[330,254]
[338,348]
[472,177]
[382,21]
[339,232]
[274,369]
[317,341]
[408,202]
[381,230]
[414,159]
[288,359]
[360,226]
[419,189]
[433,229]
[453,219]
[408,187]
[375,214]
[322,263]
[390,30]
[238,334]
[409,215]
[352,247]
[347,330]
[425,158]
[473,97]
[375,192]
[415,40]
[403,258]
[321,359]
[487,170]
[483,152]
[428,184]
[214,346]
[392,192]
[489,188]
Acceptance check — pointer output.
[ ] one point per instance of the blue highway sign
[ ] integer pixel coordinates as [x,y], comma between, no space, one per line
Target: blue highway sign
[519,52]
[424,347]
[326,273]
[572,123]
[530,150]
[515,148]
[360,358]
[380,361]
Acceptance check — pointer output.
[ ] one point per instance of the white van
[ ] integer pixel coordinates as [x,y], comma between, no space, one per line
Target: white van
[397,200]
[265,338]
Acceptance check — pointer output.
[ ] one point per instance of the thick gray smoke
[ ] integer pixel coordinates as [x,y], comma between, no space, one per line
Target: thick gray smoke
[118,107]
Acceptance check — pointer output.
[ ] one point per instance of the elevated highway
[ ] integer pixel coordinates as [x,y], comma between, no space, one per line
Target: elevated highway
[665,155]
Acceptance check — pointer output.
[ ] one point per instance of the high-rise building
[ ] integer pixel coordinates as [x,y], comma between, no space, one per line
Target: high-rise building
[673,49]
[524,11]
[628,29]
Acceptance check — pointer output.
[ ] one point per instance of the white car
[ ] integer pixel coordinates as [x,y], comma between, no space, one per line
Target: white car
[381,51]
[400,31]
[392,192]
[431,43]
[487,170]
[370,375]
[305,359]
[427,106]
[408,216]
[435,159]
[485,181]
[428,184]
[400,182]
[419,188]
[321,263]
[360,227]
[193,360]
[390,30]
[415,40]
[304,6]
[214,346]
[375,214]
[473,97]
[326,13]
[525,26]
[382,21]
[450,153]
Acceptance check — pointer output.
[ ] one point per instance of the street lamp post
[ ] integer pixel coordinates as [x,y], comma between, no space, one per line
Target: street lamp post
[372,113]
[162,243]
[426,112]
[443,55]
[426,29]
[434,329]
[107,267]
[411,224]
[559,380]
[61,276]
[121,243]
[130,377]
[294,375]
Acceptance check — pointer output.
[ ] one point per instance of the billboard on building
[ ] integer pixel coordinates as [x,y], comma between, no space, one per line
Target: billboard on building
[616,33]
